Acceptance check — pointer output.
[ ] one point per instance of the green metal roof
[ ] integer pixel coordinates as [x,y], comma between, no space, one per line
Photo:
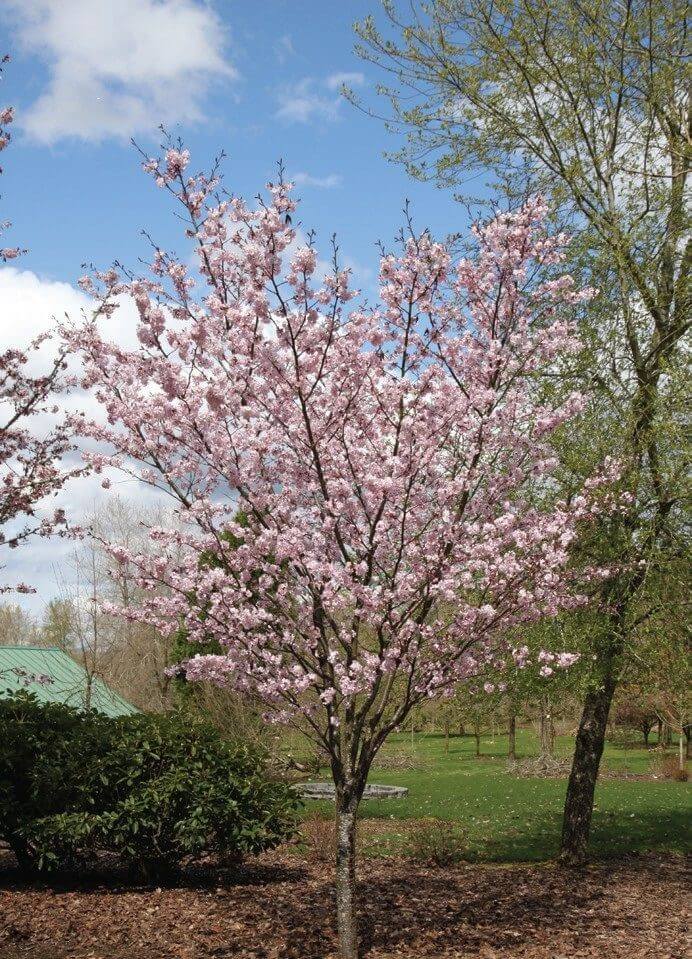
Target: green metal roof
[69,680]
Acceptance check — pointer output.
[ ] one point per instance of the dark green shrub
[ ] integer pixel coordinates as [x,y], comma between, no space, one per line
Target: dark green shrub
[155,790]
[44,765]
[183,792]
[60,841]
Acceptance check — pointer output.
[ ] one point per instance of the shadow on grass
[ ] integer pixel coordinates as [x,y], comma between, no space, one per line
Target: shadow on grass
[614,835]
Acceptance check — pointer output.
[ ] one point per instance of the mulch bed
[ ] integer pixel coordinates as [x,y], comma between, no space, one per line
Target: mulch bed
[279,907]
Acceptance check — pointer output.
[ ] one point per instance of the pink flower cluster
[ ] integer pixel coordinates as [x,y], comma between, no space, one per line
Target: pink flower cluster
[552,661]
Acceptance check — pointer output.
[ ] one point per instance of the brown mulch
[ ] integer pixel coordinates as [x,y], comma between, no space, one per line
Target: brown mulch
[280,907]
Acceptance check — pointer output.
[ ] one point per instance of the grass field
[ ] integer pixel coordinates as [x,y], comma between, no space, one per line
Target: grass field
[508,819]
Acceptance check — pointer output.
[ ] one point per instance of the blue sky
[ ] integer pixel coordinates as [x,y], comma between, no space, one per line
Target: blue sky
[73,187]
[258,80]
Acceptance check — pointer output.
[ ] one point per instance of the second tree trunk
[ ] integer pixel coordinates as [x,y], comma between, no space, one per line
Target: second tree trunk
[347,921]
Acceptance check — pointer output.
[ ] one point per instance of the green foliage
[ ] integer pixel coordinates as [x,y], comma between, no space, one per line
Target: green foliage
[154,790]
[45,750]
[184,792]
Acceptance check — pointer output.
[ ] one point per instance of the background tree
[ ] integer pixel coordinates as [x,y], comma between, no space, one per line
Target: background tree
[58,624]
[635,710]
[665,677]
[17,626]
[392,463]
[588,103]
[139,657]
[472,709]
[130,657]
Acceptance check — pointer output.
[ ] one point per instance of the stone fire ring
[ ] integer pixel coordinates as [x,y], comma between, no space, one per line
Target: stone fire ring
[372,791]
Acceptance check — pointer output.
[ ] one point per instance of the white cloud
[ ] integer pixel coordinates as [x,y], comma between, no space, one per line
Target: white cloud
[328,182]
[118,67]
[283,48]
[311,99]
[29,306]
[302,102]
[335,81]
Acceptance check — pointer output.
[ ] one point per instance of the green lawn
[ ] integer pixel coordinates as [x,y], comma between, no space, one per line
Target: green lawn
[507,818]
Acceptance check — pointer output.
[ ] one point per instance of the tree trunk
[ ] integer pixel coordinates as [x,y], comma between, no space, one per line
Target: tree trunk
[547,732]
[582,781]
[512,753]
[347,921]
[446,736]
[682,751]
[477,737]
[659,732]
[646,738]
[576,822]
[20,848]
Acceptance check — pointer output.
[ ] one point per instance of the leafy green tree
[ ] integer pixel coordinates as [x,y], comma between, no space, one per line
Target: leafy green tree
[634,709]
[58,626]
[586,102]
[662,668]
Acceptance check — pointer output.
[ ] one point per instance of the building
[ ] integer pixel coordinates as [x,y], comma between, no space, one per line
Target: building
[54,677]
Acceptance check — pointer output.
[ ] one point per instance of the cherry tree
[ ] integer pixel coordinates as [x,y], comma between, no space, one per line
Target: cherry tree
[366,496]
[32,441]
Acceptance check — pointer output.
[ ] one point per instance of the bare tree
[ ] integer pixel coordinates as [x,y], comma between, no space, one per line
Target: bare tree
[130,657]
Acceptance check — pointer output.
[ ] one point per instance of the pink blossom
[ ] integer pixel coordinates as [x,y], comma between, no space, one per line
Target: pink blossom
[382,457]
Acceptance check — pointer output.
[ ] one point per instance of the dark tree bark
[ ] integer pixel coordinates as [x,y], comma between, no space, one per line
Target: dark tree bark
[576,823]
